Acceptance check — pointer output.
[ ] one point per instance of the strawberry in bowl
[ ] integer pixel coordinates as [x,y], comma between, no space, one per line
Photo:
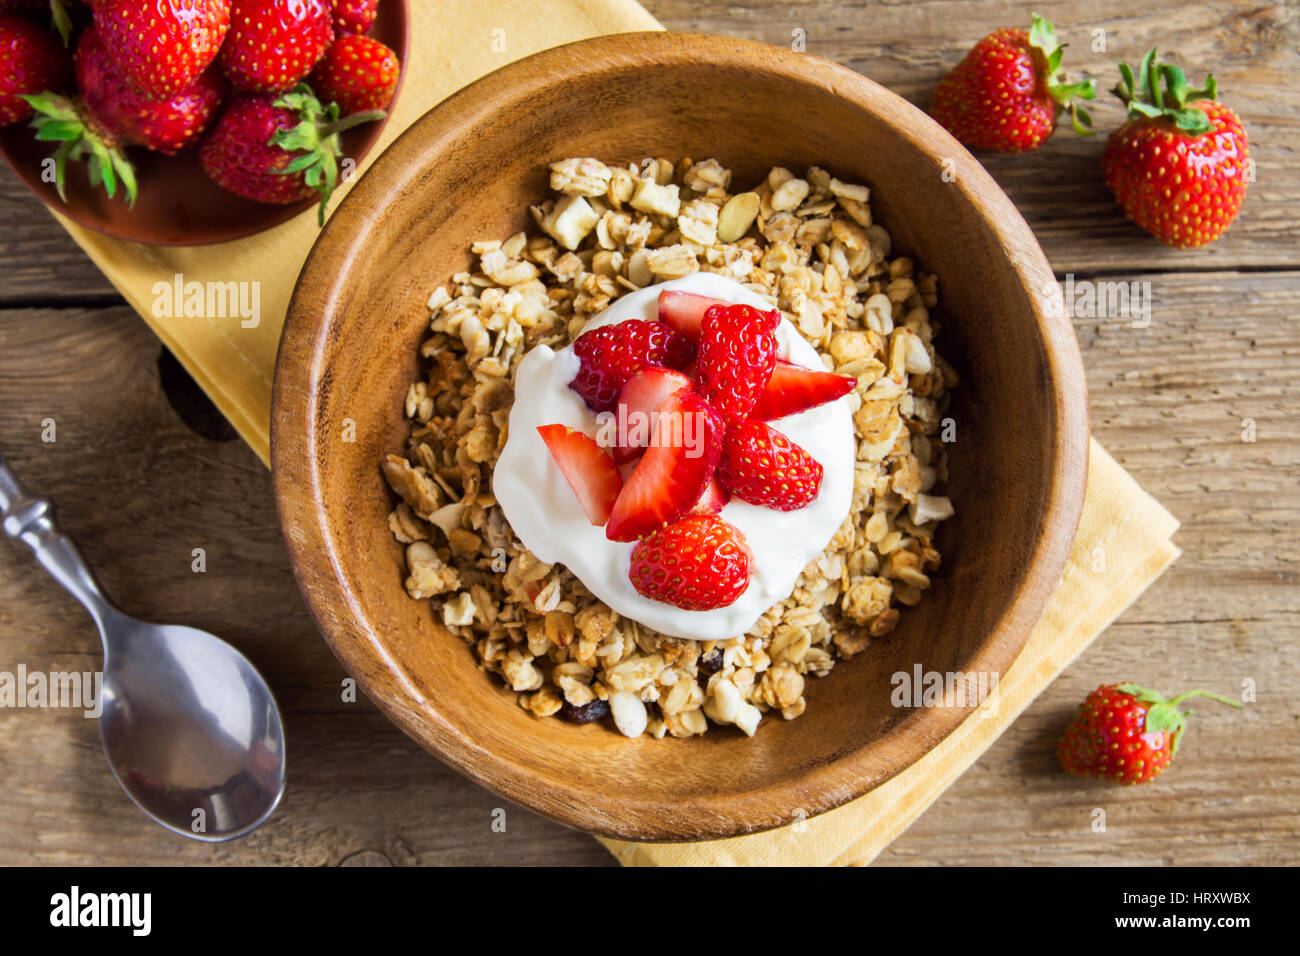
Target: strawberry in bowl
[685,457]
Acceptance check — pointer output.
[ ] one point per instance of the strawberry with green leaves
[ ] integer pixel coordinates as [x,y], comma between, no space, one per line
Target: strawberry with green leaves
[1007,92]
[1126,733]
[279,149]
[32,61]
[1179,166]
[110,114]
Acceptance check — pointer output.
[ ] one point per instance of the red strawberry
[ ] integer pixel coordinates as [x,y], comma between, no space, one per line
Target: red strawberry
[22,6]
[278,150]
[1179,166]
[127,116]
[684,311]
[793,389]
[1126,733]
[358,74]
[32,61]
[612,354]
[699,563]
[638,404]
[354,16]
[764,467]
[1006,93]
[590,472]
[164,45]
[737,355]
[275,43]
[673,473]
[713,500]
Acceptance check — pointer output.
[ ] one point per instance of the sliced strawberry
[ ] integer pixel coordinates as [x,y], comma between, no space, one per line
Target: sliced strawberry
[590,472]
[737,355]
[699,563]
[713,500]
[638,404]
[684,311]
[793,389]
[673,472]
[612,354]
[764,467]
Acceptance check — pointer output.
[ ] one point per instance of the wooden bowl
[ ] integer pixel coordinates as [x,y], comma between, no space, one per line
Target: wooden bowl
[468,170]
[178,204]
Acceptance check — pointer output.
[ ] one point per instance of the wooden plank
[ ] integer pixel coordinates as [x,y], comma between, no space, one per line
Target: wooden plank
[907,47]
[1167,400]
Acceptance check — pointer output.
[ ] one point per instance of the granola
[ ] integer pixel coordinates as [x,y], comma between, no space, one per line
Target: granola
[808,245]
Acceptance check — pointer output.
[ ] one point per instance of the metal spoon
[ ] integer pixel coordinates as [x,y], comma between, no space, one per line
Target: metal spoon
[190,729]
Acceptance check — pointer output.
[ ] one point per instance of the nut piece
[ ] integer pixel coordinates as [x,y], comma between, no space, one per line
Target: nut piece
[580,176]
[629,713]
[655,199]
[737,216]
[570,221]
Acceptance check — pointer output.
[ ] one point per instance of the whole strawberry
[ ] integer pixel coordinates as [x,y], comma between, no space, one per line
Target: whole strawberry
[126,116]
[354,16]
[1126,733]
[699,563]
[764,467]
[278,149]
[274,44]
[32,60]
[1179,166]
[358,74]
[165,45]
[1007,92]
[737,356]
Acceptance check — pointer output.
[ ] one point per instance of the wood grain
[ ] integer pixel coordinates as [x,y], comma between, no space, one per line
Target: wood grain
[1168,403]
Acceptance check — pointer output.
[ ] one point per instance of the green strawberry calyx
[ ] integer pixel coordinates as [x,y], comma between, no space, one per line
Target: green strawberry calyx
[1142,95]
[61,120]
[62,22]
[1163,716]
[316,139]
[1048,54]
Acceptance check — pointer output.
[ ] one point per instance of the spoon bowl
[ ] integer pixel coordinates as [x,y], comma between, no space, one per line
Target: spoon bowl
[190,730]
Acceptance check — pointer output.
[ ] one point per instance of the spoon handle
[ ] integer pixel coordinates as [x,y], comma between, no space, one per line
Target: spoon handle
[31,520]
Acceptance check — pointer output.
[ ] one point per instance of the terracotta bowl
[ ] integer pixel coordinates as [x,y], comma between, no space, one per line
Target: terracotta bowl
[178,204]
[469,169]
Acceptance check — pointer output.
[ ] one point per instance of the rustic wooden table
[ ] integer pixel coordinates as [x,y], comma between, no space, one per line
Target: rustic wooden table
[143,476]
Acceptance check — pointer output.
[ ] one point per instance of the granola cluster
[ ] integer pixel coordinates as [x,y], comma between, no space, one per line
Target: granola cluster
[807,244]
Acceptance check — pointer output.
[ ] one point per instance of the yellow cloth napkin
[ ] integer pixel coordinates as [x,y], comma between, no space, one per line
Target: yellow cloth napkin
[1123,544]
[451,44]
[455,42]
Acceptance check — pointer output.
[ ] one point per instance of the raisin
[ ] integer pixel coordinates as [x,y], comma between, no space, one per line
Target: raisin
[712,663]
[587,713]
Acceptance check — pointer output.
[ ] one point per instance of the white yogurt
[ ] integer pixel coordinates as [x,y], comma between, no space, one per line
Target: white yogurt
[546,515]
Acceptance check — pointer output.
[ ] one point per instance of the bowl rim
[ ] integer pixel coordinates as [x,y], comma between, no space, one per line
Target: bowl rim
[337,612]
